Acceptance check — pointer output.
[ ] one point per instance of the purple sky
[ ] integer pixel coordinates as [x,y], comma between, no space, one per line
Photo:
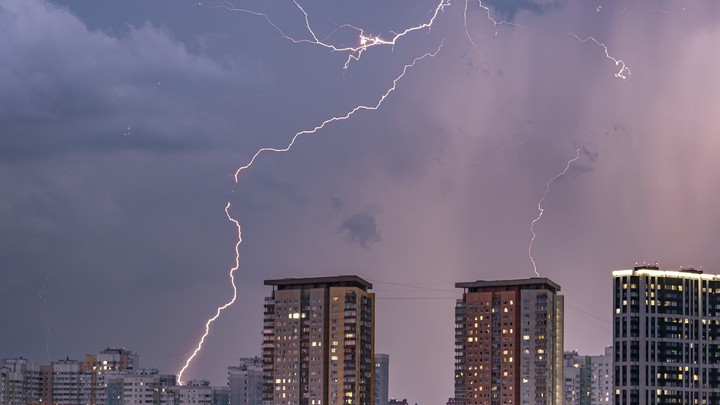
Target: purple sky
[122,122]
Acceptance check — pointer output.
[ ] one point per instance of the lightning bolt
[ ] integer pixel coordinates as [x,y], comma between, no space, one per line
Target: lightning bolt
[287,148]
[624,71]
[366,41]
[469,37]
[354,53]
[541,210]
[41,295]
[349,114]
[224,306]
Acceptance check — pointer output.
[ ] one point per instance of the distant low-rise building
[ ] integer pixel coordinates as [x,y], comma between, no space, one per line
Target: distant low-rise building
[382,378]
[589,379]
[140,387]
[220,395]
[194,392]
[246,382]
[20,382]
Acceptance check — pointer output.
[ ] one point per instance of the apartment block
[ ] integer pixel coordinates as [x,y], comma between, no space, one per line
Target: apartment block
[140,387]
[509,343]
[589,379]
[246,382]
[382,379]
[318,341]
[666,335]
[20,382]
[194,392]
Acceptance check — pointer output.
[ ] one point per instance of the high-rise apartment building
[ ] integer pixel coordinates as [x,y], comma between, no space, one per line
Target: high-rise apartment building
[509,343]
[589,379]
[318,341]
[246,382]
[382,378]
[666,335]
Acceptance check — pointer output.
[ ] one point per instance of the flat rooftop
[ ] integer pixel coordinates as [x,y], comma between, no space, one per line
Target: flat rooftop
[320,282]
[524,283]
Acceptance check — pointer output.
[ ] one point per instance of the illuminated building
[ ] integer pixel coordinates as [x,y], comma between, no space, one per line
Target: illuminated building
[509,343]
[98,366]
[318,341]
[665,332]
[246,382]
[589,379]
[382,374]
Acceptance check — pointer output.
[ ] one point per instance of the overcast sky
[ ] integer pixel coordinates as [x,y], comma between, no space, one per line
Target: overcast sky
[122,122]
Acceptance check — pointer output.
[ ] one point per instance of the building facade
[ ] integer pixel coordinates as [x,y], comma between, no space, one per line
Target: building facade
[509,343]
[20,382]
[107,362]
[63,382]
[139,387]
[318,341]
[382,379]
[246,382]
[665,333]
[194,392]
[577,379]
[589,379]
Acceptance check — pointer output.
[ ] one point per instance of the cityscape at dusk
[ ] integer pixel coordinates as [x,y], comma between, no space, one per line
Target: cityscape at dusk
[178,176]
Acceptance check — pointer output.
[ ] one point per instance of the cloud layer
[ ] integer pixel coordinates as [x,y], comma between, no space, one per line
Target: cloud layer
[120,128]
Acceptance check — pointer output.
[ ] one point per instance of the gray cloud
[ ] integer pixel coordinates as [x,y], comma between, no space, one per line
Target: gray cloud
[337,204]
[360,228]
[457,159]
[510,8]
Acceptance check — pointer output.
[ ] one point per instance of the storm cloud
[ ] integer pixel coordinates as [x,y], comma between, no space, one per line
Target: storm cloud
[361,229]
[121,124]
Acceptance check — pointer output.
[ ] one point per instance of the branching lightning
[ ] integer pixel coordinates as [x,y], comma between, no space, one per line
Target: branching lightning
[469,37]
[349,114]
[541,210]
[624,71]
[354,54]
[366,41]
[41,295]
[227,304]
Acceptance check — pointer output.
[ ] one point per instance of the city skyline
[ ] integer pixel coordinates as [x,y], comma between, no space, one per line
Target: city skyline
[122,124]
[524,320]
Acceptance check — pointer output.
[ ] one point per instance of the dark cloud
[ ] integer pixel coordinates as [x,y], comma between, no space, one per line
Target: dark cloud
[361,229]
[337,204]
[509,9]
[457,158]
